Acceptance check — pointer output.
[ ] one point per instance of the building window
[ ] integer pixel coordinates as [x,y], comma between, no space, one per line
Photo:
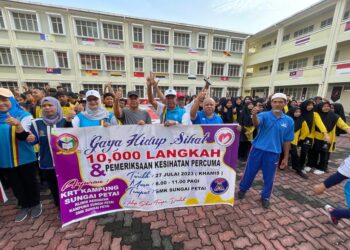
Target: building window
[285,37]
[236,45]
[32,58]
[202,41]
[86,28]
[163,88]
[318,60]
[90,62]
[216,92]
[180,67]
[303,31]
[138,64]
[140,90]
[297,64]
[25,21]
[112,31]
[346,15]
[56,25]
[2,22]
[181,89]
[36,84]
[327,22]
[336,56]
[200,68]
[217,69]
[198,90]
[138,34]
[219,43]
[8,85]
[5,56]
[62,59]
[233,70]
[67,86]
[160,65]
[116,63]
[263,68]
[98,87]
[181,39]
[280,66]
[231,92]
[266,45]
[160,36]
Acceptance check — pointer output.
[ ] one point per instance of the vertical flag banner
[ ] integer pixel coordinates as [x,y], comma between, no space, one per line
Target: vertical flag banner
[104,170]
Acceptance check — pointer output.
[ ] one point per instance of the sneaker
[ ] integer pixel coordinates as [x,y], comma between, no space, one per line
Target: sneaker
[318,172]
[329,209]
[307,169]
[241,194]
[302,175]
[22,214]
[265,203]
[36,211]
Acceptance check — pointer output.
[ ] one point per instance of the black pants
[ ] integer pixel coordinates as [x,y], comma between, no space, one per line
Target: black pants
[24,183]
[312,157]
[324,158]
[243,150]
[295,158]
[51,179]
[304,150]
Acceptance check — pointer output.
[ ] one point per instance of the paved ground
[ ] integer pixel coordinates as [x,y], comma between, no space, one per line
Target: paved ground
[296,220]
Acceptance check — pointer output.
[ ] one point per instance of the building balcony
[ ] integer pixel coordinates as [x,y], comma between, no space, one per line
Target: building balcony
[303,76]
[343,35]
[258,80]
[260,56]
[340,72]
[308,42]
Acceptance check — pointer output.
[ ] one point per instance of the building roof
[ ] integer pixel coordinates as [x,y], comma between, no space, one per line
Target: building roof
[238,33]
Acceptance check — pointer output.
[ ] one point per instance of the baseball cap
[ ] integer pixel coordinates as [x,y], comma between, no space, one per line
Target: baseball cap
[279,95]
[5,92]
[131,93]
[180,95]
[170,92]
[93,93]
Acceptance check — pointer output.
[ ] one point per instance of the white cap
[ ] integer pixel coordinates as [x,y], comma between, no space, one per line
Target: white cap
[169,92]
[5,92]
[279,95]
[93,93]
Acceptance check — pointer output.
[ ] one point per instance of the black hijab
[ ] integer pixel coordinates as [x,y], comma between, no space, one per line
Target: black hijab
[297,120]
[307,116]
[246,116]
[329,119]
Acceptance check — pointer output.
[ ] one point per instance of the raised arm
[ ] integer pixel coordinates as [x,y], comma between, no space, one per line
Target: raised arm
[195,106]
[150,83]
[117,109]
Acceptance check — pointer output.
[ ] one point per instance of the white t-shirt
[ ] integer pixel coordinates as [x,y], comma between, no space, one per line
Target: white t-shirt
[344,167]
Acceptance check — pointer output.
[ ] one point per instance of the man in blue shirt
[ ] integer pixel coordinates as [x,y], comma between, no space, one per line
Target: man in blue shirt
[169,113]
[276,130]
[207,115]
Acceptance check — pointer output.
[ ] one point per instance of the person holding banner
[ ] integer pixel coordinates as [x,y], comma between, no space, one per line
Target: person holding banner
[18,161]
[95,114]
[133,114]
[169,113]
[52,117]
[207,115]
[276,131]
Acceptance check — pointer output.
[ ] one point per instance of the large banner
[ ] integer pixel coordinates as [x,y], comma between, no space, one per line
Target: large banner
[103,170]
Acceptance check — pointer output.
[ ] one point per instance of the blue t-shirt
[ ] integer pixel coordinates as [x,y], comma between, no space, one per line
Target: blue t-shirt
[173,115]
[273,132]
[203,119]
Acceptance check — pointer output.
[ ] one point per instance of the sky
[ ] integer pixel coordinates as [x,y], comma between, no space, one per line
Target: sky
[247,16]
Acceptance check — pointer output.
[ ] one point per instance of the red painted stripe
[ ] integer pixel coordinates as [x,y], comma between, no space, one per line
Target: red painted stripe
[343,66]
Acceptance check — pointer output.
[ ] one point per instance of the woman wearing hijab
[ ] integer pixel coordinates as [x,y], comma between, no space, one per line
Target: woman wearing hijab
[247,131]
[311,120]
[227,112]
[52,117]
[95,114]
[321,148]
[18,161]
[237,108]
[295,114]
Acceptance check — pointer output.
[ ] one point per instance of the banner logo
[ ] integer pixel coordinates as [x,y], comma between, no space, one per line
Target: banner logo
[67,143]
[224,137]
[219,186]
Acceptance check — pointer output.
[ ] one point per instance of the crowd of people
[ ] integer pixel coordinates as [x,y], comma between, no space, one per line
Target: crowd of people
[271,129]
